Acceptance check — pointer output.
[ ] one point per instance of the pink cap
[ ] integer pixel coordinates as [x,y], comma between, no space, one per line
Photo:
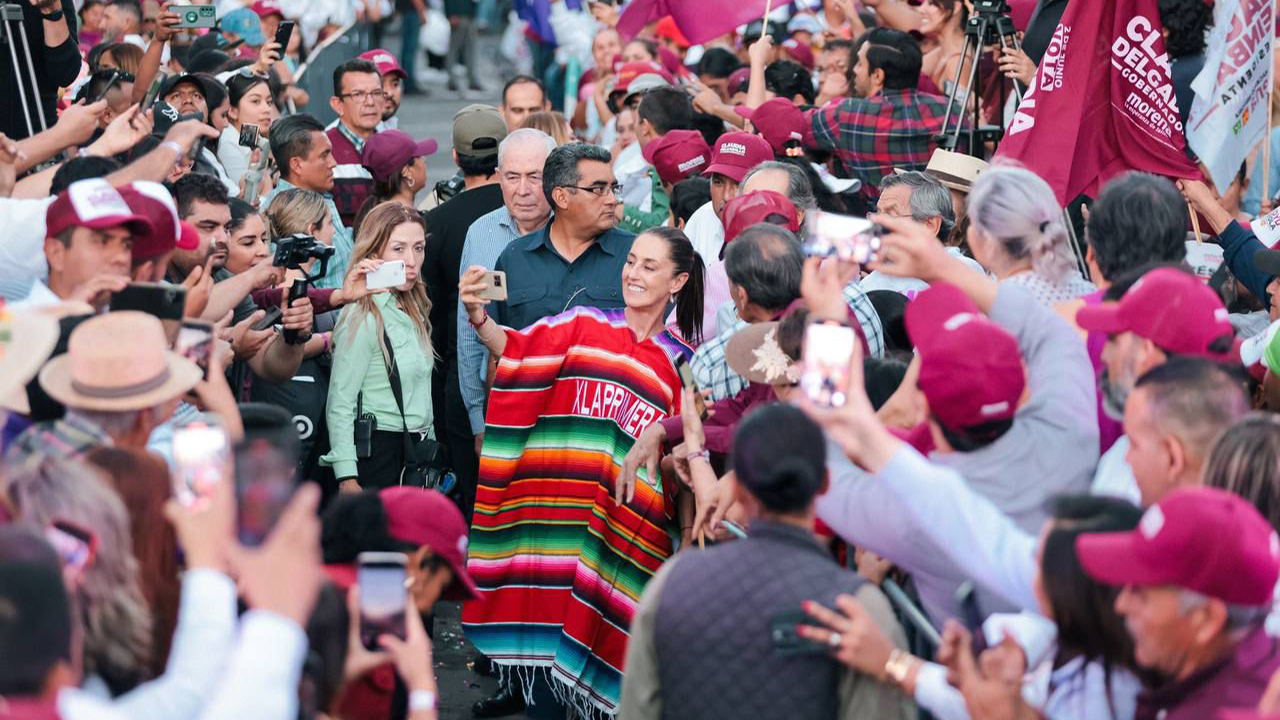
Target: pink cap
[971,370]
[761,206]
[1174,310]
[677,155]
[95,204]
[800,52]
[736,153]
[388,151]
[426,517]
[1199,538]
[267,8]
[385,62]
[778,120]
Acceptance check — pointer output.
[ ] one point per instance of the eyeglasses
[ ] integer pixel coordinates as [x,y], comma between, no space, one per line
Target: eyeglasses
[361,95]
[600,190]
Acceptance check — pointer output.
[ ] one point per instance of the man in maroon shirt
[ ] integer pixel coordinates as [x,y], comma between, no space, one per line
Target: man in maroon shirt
[358,99]
[1197,579]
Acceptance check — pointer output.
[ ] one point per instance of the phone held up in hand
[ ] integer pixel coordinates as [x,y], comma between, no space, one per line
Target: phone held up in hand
[201,459]
[195,343]
[195,16]
[284,33]
[163,301]
[249,136]
[389,274]
[827,349]
[842,236]
[383,599]
[495,283]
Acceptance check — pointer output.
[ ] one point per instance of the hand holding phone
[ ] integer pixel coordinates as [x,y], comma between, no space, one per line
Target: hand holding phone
[495,288]
[195,343]
[201,459]
[249,136]
[844,236]
[828,348]
[383,600]
[195,16]
[284,33]
[268,321]
[390,274]
[166,302]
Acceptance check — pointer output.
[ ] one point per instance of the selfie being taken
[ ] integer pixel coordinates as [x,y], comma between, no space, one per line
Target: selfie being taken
[639,359]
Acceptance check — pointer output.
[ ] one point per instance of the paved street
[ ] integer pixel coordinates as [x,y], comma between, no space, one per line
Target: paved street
[432,117]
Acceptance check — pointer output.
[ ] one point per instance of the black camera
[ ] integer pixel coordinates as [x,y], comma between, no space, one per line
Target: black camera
[294,252]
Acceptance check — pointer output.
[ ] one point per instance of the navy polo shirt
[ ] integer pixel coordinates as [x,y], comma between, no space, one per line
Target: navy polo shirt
[541,283]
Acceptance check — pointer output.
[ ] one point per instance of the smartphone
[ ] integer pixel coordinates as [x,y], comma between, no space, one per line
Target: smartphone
[786,641]
[163,301]
[284,33]
[114,82]
[153,92]
[383,601]
[495,286]
[843,236]
[76,546]
[265,480]
[201,459]
[685,371]
[195,16]
[274,313]
[195,343]
[387,275]
[249,136]
[827,350]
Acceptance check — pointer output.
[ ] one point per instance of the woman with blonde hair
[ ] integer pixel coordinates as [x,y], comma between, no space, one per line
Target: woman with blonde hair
[551,123]
[1017,232]
[382,360]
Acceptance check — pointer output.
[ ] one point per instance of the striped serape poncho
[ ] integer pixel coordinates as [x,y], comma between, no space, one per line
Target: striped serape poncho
[559,564]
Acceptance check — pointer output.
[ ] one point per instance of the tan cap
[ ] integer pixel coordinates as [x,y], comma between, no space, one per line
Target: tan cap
[477,130]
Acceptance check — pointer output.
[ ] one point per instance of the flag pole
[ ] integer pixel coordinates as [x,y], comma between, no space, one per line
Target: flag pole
[1195,223]
[1266,138]
[764,25]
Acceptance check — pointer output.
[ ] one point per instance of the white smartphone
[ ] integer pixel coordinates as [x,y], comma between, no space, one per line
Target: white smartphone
[827,349]
[387,275]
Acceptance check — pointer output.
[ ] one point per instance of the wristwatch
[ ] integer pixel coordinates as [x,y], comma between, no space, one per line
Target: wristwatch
[898,666]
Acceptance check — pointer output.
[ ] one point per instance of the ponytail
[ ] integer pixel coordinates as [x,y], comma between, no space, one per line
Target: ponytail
[689,301]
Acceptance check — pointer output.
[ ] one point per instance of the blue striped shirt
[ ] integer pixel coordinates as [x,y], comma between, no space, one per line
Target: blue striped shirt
[486,239]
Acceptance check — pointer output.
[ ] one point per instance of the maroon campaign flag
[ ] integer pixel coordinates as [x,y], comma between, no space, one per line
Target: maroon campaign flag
[1101,102]
[699,20]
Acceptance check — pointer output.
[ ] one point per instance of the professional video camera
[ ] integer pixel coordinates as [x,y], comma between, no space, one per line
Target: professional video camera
[293,253]
[989,25]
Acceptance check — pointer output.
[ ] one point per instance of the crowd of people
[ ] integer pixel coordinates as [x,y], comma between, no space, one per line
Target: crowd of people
[712,385]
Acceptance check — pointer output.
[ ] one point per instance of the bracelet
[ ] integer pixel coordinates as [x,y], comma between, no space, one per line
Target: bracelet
[703,454]
[54,16]
[478,325]
[420,700]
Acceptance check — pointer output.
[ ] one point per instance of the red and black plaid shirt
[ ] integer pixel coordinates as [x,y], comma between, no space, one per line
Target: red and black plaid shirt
[870,137]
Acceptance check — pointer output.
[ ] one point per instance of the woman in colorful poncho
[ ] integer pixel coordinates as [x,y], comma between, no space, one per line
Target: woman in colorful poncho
[559,562]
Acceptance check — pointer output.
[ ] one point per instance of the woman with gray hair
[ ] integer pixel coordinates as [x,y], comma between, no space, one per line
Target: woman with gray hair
[1018,234]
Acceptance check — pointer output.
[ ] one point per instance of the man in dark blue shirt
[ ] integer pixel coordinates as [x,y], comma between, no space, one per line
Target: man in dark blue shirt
[577,258]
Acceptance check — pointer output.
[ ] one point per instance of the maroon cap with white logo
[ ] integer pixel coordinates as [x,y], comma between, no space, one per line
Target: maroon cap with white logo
[677,155]
[971,370]
[385,62]
[761,206]
[95,204]
[736,153]
[1174,310]
[1199,538]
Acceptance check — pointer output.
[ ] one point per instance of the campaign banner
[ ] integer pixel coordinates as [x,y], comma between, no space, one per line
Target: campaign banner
[1101,102]
[1229,116]
[699,21]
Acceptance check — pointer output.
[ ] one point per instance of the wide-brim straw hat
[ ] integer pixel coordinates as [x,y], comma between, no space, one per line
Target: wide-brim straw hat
[26,340]
[954,170]
[119,362]
[754,353]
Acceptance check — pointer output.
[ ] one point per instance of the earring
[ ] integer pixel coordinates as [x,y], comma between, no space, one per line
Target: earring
[411,182]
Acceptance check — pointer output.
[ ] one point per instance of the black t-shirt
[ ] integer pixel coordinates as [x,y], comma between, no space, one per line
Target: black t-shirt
[1044,21]
[447,226]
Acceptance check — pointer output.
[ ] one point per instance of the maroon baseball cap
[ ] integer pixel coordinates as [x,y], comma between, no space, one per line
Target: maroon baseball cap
[95,204]
[737,81]
[1200,538]
[677,155]
[629,73]
[267,8]
[736,153]
[385,62]
[778,120]
[151,200]
[761,206]
[799,52]
[971,370]
[1175,310]
[388,151]
[426,517]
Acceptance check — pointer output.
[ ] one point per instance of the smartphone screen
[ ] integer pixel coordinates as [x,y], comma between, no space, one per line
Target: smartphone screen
[387,275]
[827,349]
[382,596]
[843,236]
[264,484]
[73,544]
[201,459]
[249,135]
[195,343]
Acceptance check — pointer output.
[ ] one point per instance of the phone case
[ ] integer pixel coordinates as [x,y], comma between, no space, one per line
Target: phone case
[786,642]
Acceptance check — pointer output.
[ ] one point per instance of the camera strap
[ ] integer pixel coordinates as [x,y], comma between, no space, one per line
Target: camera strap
[411,456]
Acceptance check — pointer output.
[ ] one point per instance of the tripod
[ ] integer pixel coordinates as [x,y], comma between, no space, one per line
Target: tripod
[14,30]
[989,25]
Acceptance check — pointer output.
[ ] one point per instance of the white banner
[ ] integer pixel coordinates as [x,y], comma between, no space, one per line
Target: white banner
[1229,115]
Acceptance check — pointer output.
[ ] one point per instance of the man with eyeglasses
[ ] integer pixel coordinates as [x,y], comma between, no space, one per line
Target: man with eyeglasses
[577,258]
[358,99]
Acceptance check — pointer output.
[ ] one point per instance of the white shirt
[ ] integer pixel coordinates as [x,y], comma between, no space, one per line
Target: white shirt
[233,156]
[706,232]
[22,243]
[39,297]
[1114,477]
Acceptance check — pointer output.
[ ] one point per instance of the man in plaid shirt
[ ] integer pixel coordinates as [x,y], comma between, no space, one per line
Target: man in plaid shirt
[888,123]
